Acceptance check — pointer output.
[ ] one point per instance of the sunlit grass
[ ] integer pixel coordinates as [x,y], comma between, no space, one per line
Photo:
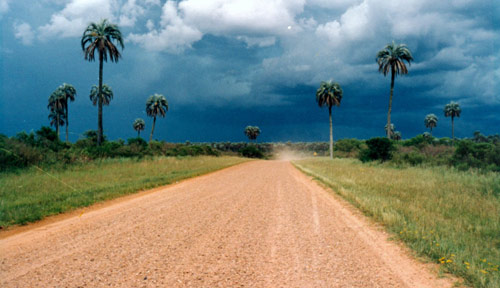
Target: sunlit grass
[31,195]
[449,216]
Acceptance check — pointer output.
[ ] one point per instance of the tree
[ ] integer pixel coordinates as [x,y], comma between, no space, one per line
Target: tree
[252,132]
[430,121]
[56,118]
[396,135]
[393,128]
[329,94]
[100,37]
[452,110]
[156,105]
[391,59]
[139,125]
[107,95]
[69,93]
[56,107]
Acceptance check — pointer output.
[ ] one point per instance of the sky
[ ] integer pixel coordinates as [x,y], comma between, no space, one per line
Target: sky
[226,64]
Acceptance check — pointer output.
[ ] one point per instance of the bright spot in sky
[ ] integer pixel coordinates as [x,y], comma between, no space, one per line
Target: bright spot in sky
[289,27]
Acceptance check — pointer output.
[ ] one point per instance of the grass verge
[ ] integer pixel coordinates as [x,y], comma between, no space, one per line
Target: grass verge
[31,195]
[451,217]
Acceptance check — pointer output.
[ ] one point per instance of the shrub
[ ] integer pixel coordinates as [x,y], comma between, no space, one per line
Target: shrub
[251,152]
[348,145]
[138,141]
[378,149]
[476,155]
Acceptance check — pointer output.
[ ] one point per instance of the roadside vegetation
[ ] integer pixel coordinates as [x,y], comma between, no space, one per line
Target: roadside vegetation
[32,194]
[450,216]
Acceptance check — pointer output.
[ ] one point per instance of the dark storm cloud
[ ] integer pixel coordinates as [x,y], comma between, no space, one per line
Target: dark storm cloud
[221,71]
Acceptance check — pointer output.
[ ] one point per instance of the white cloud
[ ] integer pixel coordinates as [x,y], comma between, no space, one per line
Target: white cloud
[24,32]
[72,20]
[173,35]
[258,41]
[132,10]
[257,17]
[257,22]
[4,7]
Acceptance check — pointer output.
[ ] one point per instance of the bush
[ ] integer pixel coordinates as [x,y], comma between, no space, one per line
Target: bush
[476,155]
[378,149]
[251,152]
[348,145]
[138,141]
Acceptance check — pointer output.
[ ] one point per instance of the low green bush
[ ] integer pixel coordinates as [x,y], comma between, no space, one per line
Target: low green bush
[251,152]
[377,149]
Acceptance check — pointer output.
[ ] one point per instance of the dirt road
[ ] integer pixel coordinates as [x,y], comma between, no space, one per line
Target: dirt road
[259,224]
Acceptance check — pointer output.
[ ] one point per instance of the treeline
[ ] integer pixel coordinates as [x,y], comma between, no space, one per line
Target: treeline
[43,148]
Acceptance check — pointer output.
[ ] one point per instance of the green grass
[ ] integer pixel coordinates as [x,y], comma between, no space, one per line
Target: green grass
[451,217]
[31,194]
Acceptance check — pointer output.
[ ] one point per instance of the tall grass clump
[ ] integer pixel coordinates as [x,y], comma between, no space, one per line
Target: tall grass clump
[448,215]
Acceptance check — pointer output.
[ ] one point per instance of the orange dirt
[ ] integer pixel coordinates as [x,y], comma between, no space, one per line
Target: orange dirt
[258,224]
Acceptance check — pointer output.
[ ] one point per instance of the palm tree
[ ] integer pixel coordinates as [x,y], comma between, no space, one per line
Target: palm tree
[56,118]
[390,59]
[393,128]
[139,125]
[156,105]
[69,93]
[329,94]
[107,95]
[252,132]
[100,36]
[56,107]
[396,135]
[430,121]
[452,110]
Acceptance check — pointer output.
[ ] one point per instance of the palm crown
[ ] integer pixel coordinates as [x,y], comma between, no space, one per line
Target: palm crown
[156,105]
[452,109]
[139,125]
[329,94]
[107,94]
[392,57]
[252,132]
[430,121]
[100,36]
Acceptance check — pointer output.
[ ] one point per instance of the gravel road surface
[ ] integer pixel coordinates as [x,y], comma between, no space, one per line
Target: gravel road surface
[258,224]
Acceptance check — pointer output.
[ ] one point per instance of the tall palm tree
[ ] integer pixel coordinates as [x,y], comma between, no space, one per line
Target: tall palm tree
[56,118]
[69,93]
[56,107]
[452,110]
[107,95]
[156,105]
[430,121]
[139,125]
[252,132]
[390,59]
[100,37]
[329,94]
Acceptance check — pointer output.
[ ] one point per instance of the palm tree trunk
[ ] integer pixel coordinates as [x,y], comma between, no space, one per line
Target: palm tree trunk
[390,106]
[431,131]
[99,113]
[138,133]
[57,124]
[152,130]
[452,132]
[67,121]
[331,132]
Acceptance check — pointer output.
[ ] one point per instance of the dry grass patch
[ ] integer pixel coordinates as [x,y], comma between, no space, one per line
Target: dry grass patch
[449,216]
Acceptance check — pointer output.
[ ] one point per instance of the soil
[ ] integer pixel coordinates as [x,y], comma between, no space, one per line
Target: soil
[258,224]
